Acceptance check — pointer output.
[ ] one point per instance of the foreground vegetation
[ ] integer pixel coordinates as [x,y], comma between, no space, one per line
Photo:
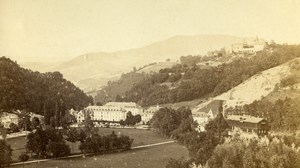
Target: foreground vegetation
[214,148]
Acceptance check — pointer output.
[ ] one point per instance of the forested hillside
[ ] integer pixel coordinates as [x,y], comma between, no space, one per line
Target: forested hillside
[115,89]
[42,93]
[183,82]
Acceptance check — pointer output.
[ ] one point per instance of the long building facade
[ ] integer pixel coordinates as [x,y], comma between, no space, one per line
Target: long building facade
[110,112]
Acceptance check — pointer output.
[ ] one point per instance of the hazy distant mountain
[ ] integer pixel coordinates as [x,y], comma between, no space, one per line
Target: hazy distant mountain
[108,65]
[104,66]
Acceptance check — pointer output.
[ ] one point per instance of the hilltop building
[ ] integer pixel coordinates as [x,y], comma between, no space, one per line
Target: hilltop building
[249,46]
[110,112]
[248,124]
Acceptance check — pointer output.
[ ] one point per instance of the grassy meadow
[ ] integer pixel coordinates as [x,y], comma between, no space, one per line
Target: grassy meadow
[152,157]
[140,136]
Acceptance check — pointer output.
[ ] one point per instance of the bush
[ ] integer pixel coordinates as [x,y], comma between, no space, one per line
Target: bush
[181,163]
[5,153]
[107,143]
[47,143]
[23,157]
[58,149]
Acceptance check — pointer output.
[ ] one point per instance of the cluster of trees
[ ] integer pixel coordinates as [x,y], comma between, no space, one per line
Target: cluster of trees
[211,56]
[48,94]
[238,153]
[190,82]
[47,143]
[282,115]
[25,124]
[174,123]
[106,143]
[131,120]
[116,89]
[214,148]
[201,145]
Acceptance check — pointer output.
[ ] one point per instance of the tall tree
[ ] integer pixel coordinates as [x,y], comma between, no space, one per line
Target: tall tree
[5,153]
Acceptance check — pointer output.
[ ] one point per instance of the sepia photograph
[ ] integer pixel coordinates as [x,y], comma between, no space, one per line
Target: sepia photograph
[150,83]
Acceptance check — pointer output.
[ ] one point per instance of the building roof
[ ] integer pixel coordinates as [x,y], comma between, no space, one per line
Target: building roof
[245,118]
[214,106]
[104,108]
[152,109]
[200,114]
[6,114]
[122,104]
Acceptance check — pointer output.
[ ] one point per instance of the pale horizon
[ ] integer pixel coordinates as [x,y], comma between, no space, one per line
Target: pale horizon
[55,30]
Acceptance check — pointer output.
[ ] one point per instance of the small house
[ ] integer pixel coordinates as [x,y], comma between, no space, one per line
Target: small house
[248,124]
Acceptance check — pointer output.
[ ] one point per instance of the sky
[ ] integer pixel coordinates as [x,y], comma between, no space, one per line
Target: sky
[58,30]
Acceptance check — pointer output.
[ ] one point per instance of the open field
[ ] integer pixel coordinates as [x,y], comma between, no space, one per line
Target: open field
[140,136]
[152,157]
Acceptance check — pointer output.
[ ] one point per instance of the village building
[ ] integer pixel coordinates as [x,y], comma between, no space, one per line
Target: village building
[248,124]
[7,118]
[148,114]
[80,116]
[207,113]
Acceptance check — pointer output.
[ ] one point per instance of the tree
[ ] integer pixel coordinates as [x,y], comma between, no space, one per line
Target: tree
[118,98]
[3,131]
[131,119]
[99,104]
[35,122]
[122,123]
[13,127]
[5,153]
[25,123]
[57,149]
[217,127]
[38,142]
[88,123]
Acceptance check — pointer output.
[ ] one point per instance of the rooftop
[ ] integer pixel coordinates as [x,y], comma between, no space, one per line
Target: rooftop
[214,106]
[122,104]
[245,118]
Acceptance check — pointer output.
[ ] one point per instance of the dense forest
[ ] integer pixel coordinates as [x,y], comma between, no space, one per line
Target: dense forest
[185,82]
[115,89]
[42,93]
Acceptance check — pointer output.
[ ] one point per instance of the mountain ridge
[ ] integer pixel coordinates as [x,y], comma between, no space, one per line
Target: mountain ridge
[106,66]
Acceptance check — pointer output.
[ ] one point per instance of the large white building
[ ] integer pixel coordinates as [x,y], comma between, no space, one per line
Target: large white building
[127,106]
[110,112]
[249,46]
